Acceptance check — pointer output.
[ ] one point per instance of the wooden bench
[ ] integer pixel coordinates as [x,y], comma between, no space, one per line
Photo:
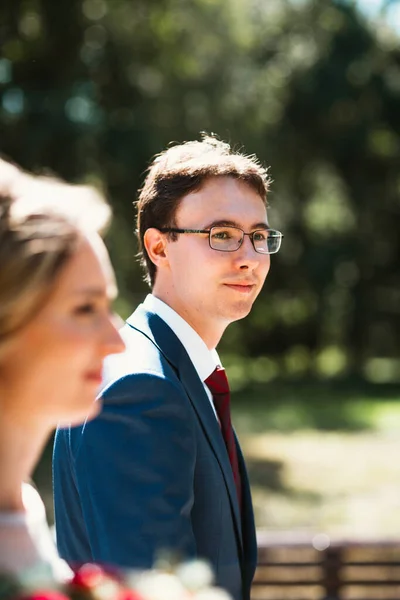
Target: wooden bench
[319,568]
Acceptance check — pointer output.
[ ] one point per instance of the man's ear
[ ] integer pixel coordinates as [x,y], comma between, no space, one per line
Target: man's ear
[155,244]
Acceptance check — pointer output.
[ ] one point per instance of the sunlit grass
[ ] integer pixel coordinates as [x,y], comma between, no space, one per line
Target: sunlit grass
[315,407]
[323,461]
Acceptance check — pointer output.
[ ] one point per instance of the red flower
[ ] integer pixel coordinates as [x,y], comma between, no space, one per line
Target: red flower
[88,576]
[126,594]
[44,595]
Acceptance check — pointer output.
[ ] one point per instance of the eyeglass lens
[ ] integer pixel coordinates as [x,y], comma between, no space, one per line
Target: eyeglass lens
[229,239]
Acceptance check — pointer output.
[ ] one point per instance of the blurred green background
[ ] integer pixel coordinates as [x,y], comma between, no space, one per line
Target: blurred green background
[90,90]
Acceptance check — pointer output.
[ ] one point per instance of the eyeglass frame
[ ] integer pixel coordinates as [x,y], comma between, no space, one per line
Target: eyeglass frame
[251,235]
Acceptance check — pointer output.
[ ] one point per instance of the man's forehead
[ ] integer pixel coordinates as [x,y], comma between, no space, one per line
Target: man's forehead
[224,189]
[224,200]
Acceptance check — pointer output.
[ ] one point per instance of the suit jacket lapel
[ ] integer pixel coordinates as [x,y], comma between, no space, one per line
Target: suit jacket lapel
[201,404]
[248,524]
[169,345]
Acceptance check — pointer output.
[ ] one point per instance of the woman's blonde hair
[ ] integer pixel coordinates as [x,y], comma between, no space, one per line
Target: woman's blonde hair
[42,221]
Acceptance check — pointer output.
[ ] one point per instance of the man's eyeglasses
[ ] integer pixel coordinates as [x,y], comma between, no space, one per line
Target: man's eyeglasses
[229,239]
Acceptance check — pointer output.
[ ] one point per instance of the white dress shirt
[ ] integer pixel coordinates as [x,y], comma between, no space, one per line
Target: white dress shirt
[204,360]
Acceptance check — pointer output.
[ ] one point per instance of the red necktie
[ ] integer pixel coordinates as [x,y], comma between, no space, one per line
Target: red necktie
[218,384]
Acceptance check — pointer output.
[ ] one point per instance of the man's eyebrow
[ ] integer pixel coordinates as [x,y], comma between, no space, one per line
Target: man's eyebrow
[227,223]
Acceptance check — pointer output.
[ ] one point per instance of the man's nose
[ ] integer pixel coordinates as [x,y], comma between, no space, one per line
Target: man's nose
[246,256]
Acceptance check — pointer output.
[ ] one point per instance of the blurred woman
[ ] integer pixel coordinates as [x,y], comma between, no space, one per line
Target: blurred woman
[56,287]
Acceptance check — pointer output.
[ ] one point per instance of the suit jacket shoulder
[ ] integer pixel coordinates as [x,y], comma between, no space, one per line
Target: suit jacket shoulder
[151,348]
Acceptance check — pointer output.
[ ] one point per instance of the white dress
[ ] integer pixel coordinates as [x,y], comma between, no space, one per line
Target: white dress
[27,548]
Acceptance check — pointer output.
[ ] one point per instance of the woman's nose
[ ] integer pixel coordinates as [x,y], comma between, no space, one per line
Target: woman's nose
[112,341]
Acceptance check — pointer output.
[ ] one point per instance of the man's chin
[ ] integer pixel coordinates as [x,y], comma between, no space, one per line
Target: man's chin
[239,311]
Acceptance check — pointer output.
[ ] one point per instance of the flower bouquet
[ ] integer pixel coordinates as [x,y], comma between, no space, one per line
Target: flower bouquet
[183,581]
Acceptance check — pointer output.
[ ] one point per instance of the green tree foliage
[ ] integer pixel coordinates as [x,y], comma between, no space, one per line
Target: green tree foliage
[91,89]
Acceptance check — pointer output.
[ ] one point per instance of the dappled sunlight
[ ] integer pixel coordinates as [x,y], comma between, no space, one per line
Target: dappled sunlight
[91,90]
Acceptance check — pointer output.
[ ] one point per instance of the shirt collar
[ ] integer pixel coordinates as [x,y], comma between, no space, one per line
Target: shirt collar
[203,359]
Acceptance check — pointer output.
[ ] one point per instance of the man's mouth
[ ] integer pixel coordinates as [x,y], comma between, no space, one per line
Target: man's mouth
[243,287]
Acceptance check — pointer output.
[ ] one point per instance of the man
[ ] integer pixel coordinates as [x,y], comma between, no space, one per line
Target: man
[160,468]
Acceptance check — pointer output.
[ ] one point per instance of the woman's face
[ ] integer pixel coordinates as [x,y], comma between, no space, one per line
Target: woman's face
[53,368]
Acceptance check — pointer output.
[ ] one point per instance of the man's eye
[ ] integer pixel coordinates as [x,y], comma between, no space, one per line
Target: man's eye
[260,236]
[222,234]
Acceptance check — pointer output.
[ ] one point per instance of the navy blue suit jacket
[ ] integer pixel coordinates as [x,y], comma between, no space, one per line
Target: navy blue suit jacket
[152,472]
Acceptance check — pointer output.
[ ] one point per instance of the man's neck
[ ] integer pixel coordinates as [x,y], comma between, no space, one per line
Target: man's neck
[210,333]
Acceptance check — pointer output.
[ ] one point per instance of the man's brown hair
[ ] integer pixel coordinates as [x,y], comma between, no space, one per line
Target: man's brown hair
[182,169]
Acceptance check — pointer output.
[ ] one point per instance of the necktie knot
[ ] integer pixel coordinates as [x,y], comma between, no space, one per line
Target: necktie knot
[217,382]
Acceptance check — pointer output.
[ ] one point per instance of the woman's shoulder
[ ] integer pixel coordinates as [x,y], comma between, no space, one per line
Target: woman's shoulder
[26,541]
[34,506]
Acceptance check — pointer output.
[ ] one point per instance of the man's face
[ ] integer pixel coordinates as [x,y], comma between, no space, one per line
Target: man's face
[207,287]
